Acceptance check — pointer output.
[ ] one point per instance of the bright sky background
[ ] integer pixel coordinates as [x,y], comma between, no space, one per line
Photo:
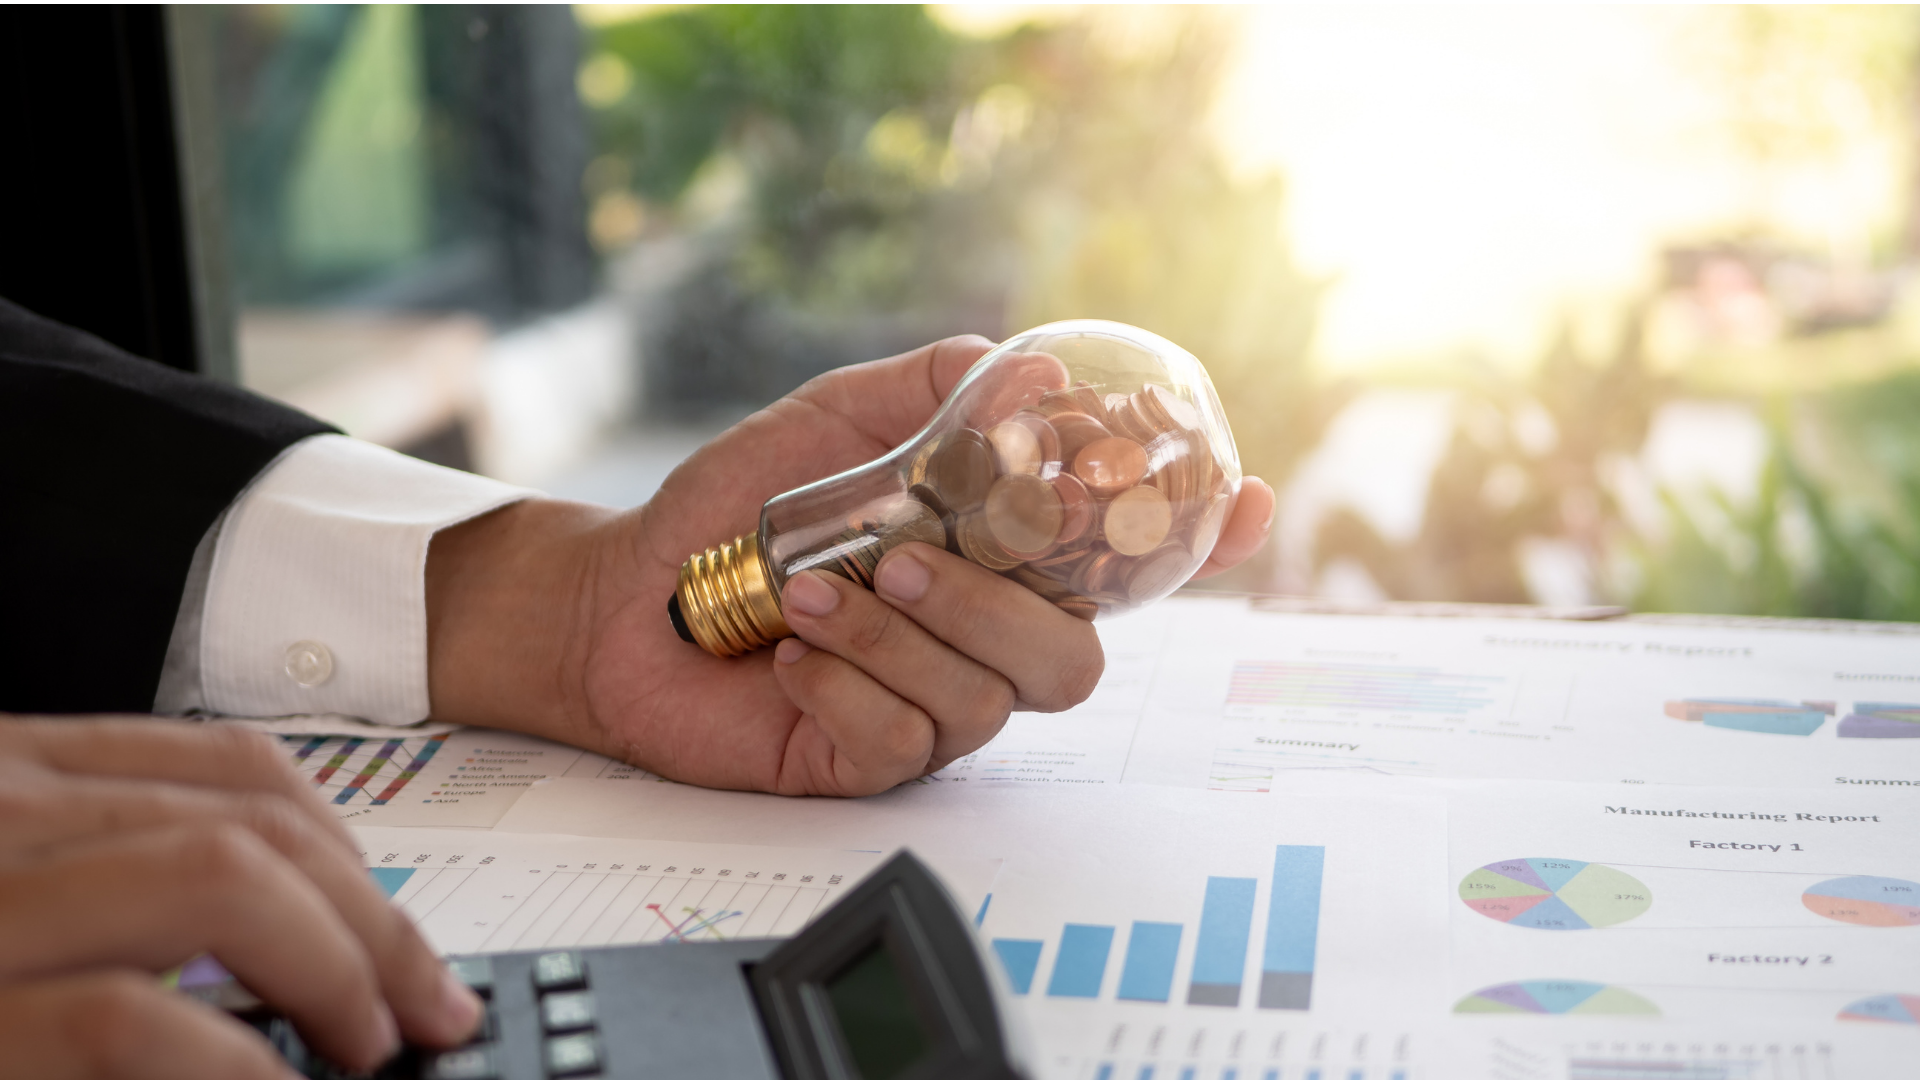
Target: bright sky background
[1468,175]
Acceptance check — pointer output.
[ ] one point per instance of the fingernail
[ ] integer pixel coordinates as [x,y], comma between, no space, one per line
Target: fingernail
[791,649]
[459,1008]
[389,1032]
[810,595]
[903,577]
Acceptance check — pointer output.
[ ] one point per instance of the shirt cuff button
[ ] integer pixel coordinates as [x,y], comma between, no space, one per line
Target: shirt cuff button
[309,663]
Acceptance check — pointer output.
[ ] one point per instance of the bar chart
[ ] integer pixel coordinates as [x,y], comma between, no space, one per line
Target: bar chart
[1761,715]
[1222,945]
[1285,688]
[351,771]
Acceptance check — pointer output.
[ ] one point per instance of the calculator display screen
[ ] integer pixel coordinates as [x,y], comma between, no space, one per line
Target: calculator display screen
[878,1022]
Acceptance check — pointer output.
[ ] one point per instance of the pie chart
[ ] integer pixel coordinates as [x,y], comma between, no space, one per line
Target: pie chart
[1866,901]
[1555,894]
[1557,997]
[1885,1009]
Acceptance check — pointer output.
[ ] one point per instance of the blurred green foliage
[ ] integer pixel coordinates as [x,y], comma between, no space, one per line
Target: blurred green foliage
[891,166]
[847,168]
[1833,528]
[793,93]
[1526,459]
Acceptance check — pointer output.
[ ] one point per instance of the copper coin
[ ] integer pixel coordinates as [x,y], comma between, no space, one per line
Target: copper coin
[1110,466]
[931,499]
[1089,400]
[1152,409]
[1093,566]
[1141,416]
[977,543]
[1065,557]
[1058,572]
[1172,471]
[1206,475]
[1024,512]
[1043,433]
[1212,519]
[1016,449]
[908,521]
[1124,419]
[851,570]
[1079,607]
[1178,410]
[1048,587]
[962,470]
[1100,573]
[864,549]
[1076,430]
[1055,402]
[1158,573]
[1076,508]
[1014,381]
[1137,521]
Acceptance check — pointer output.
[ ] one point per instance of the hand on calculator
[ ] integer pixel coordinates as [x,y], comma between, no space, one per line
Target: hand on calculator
[130,846]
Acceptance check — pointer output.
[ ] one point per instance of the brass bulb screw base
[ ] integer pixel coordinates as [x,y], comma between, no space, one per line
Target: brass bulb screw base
[726,602]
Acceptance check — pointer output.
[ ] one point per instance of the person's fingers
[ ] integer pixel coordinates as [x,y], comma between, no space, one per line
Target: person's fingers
[1052,659]
[888,400]
[967,700]
[209,755]
[61,810]
[153,899]
[855,737]
[1245,531]
[121,1025]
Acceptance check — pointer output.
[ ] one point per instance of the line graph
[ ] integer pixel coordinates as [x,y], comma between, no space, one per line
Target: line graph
[495,892]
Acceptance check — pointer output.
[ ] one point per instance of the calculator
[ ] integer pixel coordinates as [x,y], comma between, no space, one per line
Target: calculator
[890,983]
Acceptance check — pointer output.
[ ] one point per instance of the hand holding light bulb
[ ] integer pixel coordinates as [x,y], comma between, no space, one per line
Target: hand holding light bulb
[546,617]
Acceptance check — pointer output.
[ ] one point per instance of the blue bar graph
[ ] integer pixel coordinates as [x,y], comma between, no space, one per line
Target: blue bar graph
[1147,972]
[1081,965]
[1293,927]
[1020,959]
[1220,949]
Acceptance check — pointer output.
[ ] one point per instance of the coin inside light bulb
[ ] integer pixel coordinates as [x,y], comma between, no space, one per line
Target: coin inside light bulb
[1088,461]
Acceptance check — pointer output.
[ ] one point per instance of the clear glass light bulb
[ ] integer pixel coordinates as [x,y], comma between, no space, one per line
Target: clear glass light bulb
[1089,461]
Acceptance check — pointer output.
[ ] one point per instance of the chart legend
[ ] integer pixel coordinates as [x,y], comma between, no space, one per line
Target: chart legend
[1866,901]
[1557,997]
[1555,894]
[1760,715]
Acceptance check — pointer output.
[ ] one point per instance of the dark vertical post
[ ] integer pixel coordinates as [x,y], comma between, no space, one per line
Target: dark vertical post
[96,233]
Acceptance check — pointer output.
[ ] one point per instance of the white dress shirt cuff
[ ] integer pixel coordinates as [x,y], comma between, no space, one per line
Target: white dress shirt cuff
[316,596]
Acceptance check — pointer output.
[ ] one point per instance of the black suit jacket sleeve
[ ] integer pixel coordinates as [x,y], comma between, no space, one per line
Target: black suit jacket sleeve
[111,469]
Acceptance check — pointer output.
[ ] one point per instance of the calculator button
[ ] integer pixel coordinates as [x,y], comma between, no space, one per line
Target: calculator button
[474,971]
[559,971]
[571,1055]
[569,1011]
[472,1063]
